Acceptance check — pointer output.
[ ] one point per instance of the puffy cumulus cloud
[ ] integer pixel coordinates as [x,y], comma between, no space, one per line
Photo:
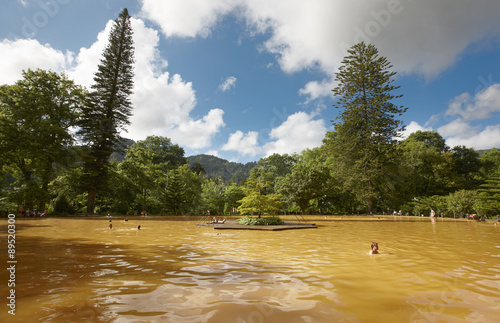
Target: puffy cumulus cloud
[186,18]
[23,54]
[297,133]
[88,58]
[314,89]
[228,83]
[467,108]
[413,127]
[471,137]
[212,153]
[244,144]
[480,106]
[198,133]
[461,133]
[162,103]
[318,33]
[423,37]
[458,128]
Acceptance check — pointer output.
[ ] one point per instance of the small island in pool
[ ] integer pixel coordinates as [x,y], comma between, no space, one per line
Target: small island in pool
[268,223]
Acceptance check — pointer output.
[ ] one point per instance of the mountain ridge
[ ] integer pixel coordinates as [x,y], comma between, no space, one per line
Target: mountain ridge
[219,167]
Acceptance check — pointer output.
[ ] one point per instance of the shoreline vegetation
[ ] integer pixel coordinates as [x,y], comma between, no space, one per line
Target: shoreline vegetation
[362,167]
[285,218]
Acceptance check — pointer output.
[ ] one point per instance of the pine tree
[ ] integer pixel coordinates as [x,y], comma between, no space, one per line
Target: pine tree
[108,106]
[488,199]
[364,139]
[176,192]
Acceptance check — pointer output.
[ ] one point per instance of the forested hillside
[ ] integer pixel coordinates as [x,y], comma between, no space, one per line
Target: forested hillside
[218,167]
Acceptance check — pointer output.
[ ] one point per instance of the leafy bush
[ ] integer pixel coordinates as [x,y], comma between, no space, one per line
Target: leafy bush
[269,220]
[62,205]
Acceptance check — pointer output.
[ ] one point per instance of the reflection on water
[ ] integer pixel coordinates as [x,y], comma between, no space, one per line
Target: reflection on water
[172,271]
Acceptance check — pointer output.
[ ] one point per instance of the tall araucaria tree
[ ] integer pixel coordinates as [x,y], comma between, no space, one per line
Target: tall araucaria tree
[108,106]
[364,140]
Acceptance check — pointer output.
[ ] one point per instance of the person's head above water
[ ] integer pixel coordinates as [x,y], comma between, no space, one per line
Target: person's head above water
[374,247]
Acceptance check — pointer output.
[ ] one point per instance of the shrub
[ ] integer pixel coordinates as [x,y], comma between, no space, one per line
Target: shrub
[269,220]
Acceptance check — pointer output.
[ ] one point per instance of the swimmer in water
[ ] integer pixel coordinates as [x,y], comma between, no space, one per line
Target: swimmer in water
[111,225]
[138,227]
[374,248]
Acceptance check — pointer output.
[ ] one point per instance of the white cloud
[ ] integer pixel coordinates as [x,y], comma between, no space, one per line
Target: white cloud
[314,89]
[413,127]
[186,18]
[422,37]
[26,54]
[461,133]
[481,106]
[244,144]
[162,104]
[297,133]
[470,137]
[88,58]
[212,153]
[458,128]
[228,83]
[198,133]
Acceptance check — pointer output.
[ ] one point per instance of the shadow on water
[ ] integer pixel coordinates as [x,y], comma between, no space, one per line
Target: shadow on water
[59,278]
[68,280]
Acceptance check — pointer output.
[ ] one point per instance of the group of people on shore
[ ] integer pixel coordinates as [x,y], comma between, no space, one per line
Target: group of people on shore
[32,213]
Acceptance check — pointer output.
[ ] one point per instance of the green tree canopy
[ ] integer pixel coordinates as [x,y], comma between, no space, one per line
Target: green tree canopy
[431,139]
[256,201]
[308,180]
[36,114]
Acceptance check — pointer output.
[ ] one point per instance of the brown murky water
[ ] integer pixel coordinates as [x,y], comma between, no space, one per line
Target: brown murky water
[78,270]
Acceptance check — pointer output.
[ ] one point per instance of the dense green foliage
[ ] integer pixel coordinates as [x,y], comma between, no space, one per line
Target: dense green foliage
[360,167]
[36,114]
[267,220]
[257,202]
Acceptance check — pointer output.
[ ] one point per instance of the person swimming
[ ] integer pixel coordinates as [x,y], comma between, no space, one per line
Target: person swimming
[139,227]
[374,247]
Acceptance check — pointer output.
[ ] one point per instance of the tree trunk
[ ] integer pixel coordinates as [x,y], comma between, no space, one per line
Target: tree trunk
[45,185]
[91,200]
[369,198]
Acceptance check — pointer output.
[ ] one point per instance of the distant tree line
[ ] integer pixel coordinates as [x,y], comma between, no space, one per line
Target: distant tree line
[58,139]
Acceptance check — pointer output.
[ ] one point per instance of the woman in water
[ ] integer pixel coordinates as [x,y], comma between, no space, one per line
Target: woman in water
[374,248]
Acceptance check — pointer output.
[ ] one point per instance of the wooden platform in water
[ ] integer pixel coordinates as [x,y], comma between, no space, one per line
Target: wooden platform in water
[233,225]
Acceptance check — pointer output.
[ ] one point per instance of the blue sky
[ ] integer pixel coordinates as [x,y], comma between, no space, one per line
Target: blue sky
[243,79]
